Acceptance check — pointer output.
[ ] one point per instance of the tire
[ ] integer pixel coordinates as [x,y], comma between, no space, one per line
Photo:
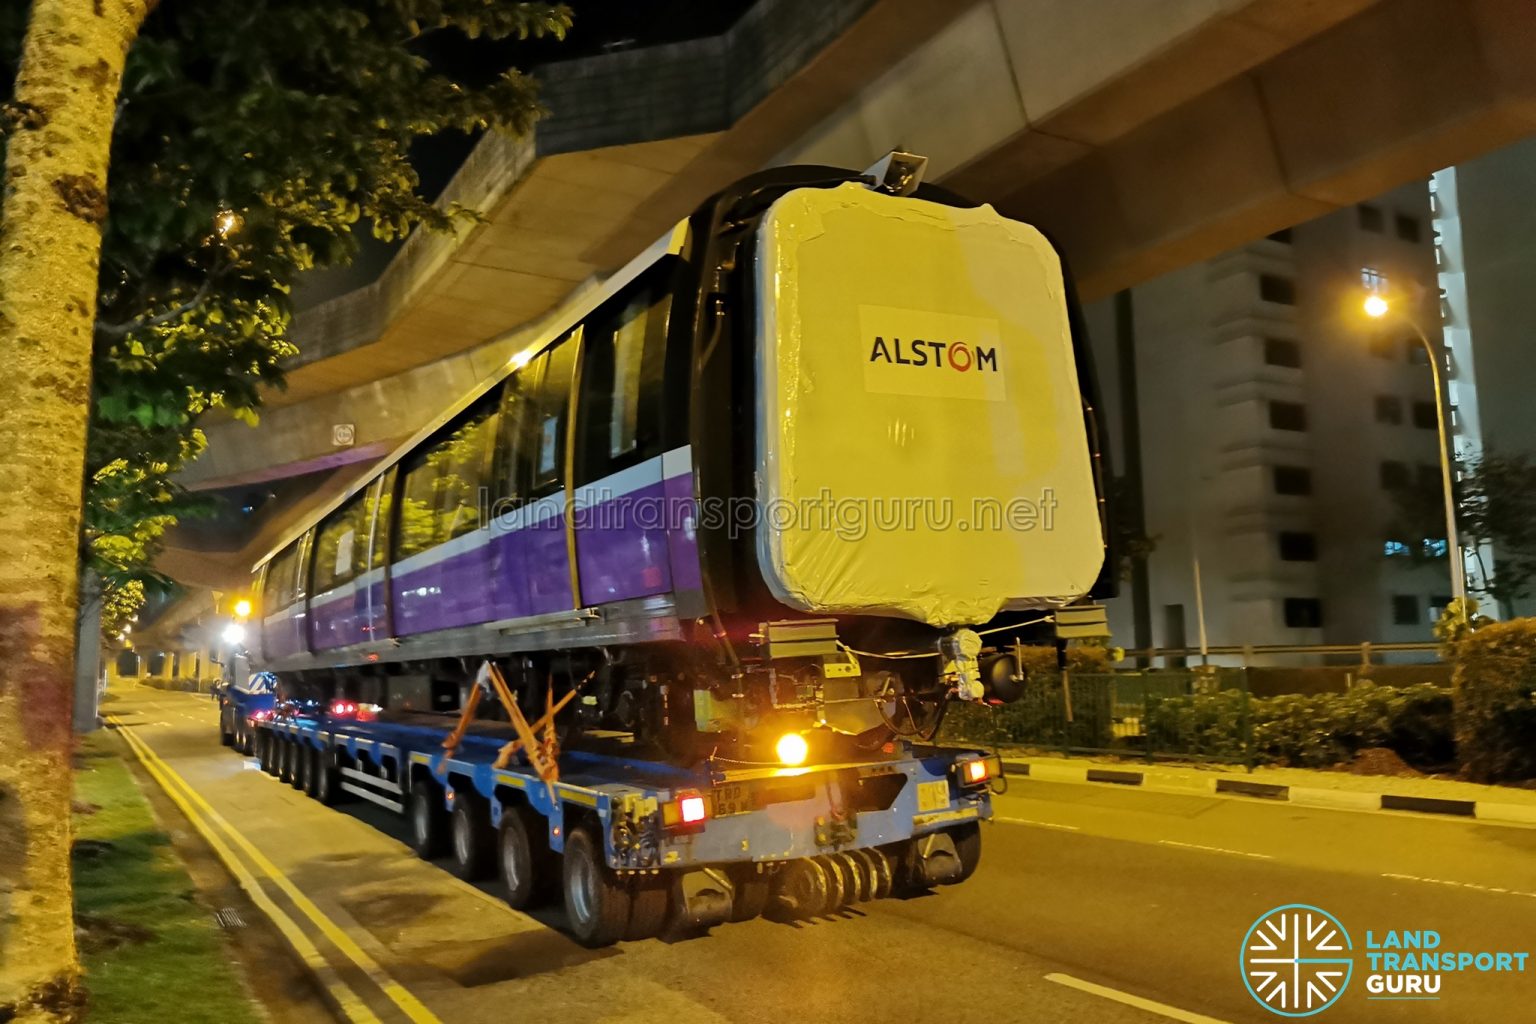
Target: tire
[298,765]
[269,753]
[427,820]
[650,904]
[528,868]
[226,737]
[240,738]
[752,888]
[286,759]
[967,840]
[474,843]
[325,778]
[313,758]
[596,902]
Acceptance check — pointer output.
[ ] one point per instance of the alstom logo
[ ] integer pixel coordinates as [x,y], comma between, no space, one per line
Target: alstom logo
[952,355]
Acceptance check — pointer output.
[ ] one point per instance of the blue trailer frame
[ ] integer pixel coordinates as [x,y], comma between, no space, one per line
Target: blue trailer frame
[865,823]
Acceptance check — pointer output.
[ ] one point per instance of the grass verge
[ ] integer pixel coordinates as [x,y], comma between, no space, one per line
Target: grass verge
[152,952]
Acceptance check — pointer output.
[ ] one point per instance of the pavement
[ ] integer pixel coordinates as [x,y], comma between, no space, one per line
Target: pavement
[1096,903]
[1306,787]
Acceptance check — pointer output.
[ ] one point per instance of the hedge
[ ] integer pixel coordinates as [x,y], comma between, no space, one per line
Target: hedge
[1495,691]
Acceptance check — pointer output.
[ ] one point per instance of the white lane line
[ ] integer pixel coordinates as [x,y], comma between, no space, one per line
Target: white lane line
[1036,824]
[1213,849]
[1494,889]
[1140,1003]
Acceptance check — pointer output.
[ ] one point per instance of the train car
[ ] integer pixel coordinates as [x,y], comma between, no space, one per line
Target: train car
[801,474]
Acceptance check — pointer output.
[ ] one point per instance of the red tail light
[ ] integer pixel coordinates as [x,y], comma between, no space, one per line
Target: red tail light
[688,811]
[692,808]
[343,709]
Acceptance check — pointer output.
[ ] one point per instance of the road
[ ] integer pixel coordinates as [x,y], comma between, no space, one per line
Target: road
[1092,904]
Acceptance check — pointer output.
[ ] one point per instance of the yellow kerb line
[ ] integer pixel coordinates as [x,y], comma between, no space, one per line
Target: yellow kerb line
[345,998]
[397,993]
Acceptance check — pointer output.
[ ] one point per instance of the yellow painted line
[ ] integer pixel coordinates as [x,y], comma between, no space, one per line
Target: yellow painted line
[512,780]
[397,993]
[1126,999]
[578,796]
[347,1000]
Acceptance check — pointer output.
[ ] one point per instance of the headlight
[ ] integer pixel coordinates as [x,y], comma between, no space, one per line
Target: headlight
[792,749]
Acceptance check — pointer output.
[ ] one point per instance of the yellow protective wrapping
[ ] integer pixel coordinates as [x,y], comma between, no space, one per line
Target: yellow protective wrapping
[922,448]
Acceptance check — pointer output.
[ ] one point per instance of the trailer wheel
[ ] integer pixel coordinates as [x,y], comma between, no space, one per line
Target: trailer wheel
[313,759]
[298,765]
[429,831]
[596,902]
[240,738]
[226,737]
[324,778]
[650,903]
[751,892]
[474,844]
[527,865]
[265,752]
[967,839]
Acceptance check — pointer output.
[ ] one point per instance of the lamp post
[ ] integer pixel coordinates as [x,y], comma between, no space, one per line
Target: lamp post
[1377,307]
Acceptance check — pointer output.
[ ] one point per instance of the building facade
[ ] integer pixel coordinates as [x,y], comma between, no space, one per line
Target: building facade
[1287,442]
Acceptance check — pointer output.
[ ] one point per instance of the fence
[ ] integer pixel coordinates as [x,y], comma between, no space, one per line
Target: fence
[1126,713]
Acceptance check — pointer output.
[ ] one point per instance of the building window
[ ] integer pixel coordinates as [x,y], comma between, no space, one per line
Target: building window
[1407,227]
[1437,606]
[1382,347]
[1287,416]
[1303,613]
[1293,480]
[1428,478]
[1424,415]
[1414,352]
[1370,218]
[1282,352]
[1296,546]
[1394,474]
[1274,288]
[1405,610]
[1389,409]
[1283,236]
[1395,549]
[1373,280]
[1434,547]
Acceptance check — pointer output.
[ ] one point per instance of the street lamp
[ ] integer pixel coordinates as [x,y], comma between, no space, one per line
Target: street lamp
[1377,307]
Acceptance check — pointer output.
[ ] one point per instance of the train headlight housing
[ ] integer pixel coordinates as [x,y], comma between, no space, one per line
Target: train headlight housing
[792,749]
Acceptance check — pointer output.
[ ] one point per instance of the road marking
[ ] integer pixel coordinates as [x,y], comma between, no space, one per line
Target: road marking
[1213,849]
[346,999]
[1037,824]
[1494,889]
[397,993]
[1140,1003]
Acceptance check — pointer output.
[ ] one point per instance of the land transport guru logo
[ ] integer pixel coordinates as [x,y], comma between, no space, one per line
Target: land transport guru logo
[1297,960]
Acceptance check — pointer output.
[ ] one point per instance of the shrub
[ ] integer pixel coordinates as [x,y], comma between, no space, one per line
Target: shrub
[1495,708]
[1308,730]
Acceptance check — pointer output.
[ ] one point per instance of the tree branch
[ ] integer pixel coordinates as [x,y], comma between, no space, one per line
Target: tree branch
[118,330]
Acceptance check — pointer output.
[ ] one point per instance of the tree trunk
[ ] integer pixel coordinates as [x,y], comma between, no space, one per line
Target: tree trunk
[59,129]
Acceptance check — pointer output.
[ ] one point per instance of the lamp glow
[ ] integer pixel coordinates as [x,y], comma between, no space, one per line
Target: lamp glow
[792,748]
[242,609]
[1375,306]
[234,633]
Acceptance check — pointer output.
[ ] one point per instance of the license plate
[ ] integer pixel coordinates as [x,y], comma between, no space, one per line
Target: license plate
[734,798]
[932,796]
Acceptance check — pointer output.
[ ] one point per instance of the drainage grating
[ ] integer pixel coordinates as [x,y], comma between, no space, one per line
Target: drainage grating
[229,919]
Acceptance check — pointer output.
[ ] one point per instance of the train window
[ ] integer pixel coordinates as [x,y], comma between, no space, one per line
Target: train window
[516,412]
[548,422]
[441,496]
[341,545]
[623,357]
[281,586]
[380,502]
